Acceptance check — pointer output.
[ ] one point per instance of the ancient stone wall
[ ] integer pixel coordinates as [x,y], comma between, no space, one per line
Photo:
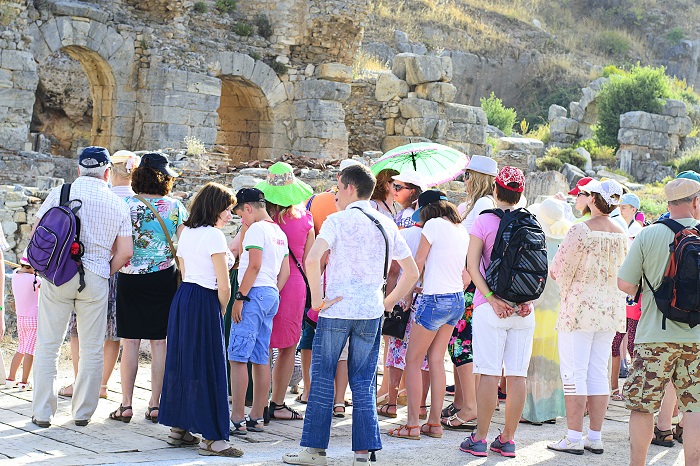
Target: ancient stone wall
[364,117]
[648,140]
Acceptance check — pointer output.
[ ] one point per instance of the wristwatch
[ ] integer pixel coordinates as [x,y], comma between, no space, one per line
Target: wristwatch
[241,297]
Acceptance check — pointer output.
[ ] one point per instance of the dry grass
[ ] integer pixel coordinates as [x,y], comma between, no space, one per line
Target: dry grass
[366,63]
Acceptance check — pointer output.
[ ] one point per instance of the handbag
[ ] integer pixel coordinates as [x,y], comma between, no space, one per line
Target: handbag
[167,235]
[313,318]
[396,321]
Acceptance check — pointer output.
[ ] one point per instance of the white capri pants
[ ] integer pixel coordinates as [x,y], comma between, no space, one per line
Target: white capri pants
[583,362]
[501,344]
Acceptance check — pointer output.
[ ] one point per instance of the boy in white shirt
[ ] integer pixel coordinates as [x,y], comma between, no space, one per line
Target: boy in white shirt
[262,272]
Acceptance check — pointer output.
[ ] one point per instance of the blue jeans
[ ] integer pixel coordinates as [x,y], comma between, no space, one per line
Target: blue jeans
[331,335]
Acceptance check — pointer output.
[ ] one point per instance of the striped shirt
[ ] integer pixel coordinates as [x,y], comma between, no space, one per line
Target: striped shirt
[103,217]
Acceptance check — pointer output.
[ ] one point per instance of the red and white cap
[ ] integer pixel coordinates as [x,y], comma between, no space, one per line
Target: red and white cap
[582,182]
[508,175]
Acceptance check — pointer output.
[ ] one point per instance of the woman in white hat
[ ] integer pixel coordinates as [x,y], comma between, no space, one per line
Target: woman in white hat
[460,415]
[408,185]
[545,394]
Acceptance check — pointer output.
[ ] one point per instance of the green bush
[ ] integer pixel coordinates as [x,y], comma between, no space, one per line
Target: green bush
[599,153]
[225,6]
[265,29]
[547,163]
[499,116]
[243,29]
[675,35]
[611,70]
[689,160]
[567,155]
[491,141]
[200,7]
[280,68]
[613,44]
[641,90]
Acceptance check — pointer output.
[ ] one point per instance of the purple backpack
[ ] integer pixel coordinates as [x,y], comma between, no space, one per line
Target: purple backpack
[55,250]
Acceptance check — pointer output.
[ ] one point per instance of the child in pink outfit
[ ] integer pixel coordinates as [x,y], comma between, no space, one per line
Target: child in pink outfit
[25,288]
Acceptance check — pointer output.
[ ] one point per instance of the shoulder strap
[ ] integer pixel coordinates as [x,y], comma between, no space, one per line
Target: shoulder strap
[497,212]
[65,194]
[378,224]
[673,225]
[303,275]
[162,225]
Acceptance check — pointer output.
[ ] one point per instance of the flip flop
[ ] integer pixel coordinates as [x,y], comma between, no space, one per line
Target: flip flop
[397,432]
[299,400]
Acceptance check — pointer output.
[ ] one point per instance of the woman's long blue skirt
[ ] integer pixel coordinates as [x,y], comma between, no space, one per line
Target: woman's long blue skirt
[195,393]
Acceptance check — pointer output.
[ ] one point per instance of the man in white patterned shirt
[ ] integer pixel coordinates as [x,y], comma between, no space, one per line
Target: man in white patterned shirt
[353,312]
[106,235]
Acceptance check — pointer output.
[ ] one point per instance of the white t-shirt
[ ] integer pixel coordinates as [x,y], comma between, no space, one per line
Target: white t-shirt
[482,204]
[195,247]
[268,237]
[356,260]
[447,257]
[412,236]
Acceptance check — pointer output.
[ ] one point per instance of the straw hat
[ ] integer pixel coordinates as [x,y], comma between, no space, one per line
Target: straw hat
[283,188]
[551,213]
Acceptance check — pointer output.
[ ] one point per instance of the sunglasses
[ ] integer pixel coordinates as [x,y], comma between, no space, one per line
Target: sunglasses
[399,187]
[582,194]
[466,176]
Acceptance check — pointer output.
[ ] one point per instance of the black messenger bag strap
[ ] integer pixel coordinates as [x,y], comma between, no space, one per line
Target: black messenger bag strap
[378,224]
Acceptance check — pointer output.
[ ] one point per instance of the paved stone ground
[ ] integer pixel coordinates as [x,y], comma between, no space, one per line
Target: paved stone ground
[109,442]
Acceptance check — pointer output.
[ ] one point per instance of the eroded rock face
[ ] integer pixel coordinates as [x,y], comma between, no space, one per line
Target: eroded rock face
[63,106]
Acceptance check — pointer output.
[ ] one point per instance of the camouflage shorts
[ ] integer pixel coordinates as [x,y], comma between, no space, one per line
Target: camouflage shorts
[654,365]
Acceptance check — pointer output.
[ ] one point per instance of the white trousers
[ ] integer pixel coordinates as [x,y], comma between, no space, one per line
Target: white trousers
[583,362]
[55,306]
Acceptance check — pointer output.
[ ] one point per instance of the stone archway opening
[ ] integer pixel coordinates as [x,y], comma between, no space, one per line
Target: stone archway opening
[74,103]
[245,120]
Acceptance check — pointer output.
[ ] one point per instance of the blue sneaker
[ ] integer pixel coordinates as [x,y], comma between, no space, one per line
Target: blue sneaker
[474,447]
[504,448]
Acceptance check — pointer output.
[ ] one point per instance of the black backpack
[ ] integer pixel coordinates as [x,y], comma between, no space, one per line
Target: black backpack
[678,297]
[518,269]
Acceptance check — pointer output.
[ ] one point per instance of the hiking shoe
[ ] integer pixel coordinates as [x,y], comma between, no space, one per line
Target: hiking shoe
[304,457]
[575,448]
[474,447]
[594,446]
[504,448]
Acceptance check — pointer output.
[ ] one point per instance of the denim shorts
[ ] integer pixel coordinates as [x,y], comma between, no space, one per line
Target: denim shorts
[307,337]
[250,338]
[436,310]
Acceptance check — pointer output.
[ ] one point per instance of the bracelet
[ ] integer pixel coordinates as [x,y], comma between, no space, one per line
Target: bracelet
[490,293]
[320,308]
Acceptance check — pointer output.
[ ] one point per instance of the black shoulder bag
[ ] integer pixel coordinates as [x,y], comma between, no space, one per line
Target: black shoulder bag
[307,305]
[395,321]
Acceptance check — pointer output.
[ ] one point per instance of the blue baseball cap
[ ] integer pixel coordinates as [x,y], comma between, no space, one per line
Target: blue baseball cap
[690,175]
[630,199]
[94,157]
[425,198]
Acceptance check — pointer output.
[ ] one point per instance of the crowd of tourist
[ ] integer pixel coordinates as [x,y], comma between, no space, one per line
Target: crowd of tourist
[317,274]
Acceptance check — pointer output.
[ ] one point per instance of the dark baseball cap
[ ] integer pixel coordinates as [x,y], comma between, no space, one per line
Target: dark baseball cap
[428,197]
[249,195]
[94,157]
[159,162]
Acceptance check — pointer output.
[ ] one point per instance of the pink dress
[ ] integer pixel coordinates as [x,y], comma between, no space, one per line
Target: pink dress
[286,326]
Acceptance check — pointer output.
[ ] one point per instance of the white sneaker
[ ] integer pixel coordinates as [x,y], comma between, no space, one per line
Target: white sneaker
[304,457]
[24,386]
[575,448]
[10,383]
[594,446]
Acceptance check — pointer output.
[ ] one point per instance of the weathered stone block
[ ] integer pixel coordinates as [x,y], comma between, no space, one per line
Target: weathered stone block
[203,84]
[423,127]
[17,60]
[321,89]
[564,125]
[398,66]
[389,86]
[418,108]
[392,142]
[572,174]
[437,92]
[544,184]
[459,113]
[577,111]
[522,144]
[314,109]
[446,69]
[586,155]
[334,72]
[79,9]
[423,69]
[556,111]
[674,108]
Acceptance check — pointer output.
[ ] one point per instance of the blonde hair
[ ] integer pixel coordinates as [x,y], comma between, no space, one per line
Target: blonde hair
[278,213]
[481,186]
[119,169]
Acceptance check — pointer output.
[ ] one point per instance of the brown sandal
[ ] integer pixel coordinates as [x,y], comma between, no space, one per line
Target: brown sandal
[423,416]
[663,438]
[182,441]
[397,432]
[383,410]
[429,432]
[678,433]
[150,416]
[125,419]
[229,452]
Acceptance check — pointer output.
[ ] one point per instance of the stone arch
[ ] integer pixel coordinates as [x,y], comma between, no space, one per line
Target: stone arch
[107,57]
[250,111]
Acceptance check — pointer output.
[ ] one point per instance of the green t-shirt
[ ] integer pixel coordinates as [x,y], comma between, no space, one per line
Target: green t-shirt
[649,252]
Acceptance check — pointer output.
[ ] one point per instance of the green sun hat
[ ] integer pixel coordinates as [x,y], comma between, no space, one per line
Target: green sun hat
[283,188]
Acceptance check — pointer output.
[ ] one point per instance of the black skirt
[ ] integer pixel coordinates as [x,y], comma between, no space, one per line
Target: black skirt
[143,304]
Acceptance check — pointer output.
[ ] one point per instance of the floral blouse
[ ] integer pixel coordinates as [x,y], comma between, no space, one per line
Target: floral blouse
[151,249]
[585,268]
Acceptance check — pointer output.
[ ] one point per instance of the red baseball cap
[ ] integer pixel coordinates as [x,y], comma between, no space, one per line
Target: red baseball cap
[582,182]
[511,175]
